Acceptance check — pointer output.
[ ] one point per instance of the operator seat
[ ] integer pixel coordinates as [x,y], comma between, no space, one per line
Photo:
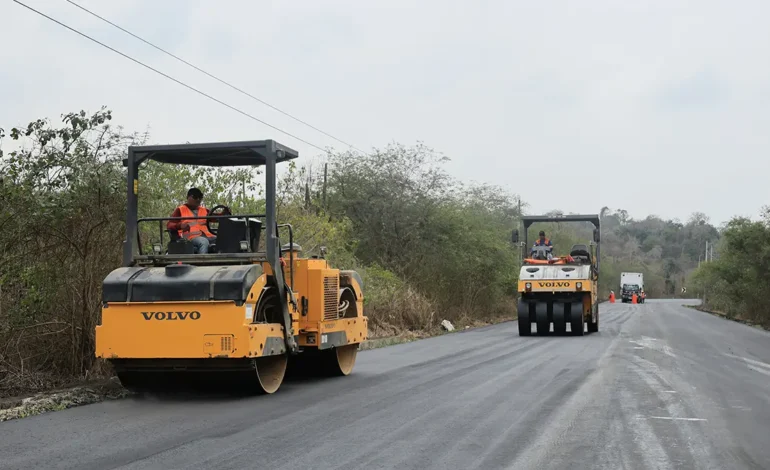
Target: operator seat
[178,245]
[181,246]
[580,253]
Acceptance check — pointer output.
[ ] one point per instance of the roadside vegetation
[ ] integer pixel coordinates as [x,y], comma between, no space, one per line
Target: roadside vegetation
[735,284]
[429,247]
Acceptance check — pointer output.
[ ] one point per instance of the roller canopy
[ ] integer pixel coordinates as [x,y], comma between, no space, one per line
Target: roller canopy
[531,219]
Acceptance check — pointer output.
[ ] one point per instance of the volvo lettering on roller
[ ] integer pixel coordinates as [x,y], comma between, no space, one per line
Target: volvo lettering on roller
[193,315]
[553,284]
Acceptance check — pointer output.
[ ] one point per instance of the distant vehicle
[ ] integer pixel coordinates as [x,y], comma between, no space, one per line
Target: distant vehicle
[630,284]
[627,293]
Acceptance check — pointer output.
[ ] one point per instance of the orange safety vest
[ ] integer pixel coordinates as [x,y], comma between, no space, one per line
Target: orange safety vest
[197,226]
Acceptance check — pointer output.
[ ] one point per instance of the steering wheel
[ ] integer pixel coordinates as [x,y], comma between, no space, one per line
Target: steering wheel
[217,210]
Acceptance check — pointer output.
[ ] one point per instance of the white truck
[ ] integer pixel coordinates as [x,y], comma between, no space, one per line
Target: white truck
[630,284]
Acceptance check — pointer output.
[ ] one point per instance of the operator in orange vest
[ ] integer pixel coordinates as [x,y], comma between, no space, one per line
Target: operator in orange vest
[193,229]
[542,241]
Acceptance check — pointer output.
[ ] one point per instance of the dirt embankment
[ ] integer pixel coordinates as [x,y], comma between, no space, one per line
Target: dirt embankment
[735,318]
[56,400]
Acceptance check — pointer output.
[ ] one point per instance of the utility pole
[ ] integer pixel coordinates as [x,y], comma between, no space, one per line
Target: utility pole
[706,260]
[324,189]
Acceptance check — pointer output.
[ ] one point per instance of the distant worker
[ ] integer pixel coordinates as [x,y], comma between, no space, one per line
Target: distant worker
[194,229]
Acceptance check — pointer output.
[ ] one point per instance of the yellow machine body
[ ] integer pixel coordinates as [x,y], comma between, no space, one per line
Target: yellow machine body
[196,336]
[219,329]
[559,291]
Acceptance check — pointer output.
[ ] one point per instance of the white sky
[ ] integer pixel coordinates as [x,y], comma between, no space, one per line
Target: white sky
[658,107]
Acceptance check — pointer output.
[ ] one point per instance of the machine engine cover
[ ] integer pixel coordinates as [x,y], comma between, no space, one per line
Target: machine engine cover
[180,283]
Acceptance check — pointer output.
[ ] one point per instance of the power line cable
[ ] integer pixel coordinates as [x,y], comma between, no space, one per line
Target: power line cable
[171,78]
[224,82]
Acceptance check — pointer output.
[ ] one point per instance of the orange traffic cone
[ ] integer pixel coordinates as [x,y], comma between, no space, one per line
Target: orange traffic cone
[633,299]
[612,297]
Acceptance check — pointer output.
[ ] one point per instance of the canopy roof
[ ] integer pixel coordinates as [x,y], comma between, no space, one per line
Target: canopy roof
[219,154]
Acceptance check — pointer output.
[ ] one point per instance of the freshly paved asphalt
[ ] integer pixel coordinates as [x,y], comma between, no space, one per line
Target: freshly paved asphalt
[660,386]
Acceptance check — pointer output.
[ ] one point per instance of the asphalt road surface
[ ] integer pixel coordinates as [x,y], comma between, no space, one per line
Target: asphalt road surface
[660,386]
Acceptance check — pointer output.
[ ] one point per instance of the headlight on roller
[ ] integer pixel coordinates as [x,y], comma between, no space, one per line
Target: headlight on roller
[579,285]
[528,286]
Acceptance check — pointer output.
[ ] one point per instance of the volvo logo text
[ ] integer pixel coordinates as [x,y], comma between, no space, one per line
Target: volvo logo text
[554,284]
[194,315]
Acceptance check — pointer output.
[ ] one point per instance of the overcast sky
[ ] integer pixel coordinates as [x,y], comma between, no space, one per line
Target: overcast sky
[656,107]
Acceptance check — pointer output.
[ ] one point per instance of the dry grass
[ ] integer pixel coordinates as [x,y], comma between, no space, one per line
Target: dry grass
[735,318]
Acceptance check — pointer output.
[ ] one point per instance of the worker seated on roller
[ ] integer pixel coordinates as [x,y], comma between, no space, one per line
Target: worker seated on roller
[193,228]
[544,242]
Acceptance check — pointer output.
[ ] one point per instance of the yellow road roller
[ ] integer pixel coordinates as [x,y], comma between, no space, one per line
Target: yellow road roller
[233,316]
[559,290]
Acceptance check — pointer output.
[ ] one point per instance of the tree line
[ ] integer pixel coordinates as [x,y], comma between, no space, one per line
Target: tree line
[735,283]
[429,246]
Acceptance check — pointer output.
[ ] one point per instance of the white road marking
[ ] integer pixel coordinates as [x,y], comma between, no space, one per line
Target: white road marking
[757,363]
[672,418]
[756,366]
[651,343]
[761,371]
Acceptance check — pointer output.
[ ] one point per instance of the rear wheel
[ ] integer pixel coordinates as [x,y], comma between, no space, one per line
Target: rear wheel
[593,326]
[340,360]
[541,317]
[333,362]
[559,318]
[577,321]
[263,375]
[270,373]
[525,325]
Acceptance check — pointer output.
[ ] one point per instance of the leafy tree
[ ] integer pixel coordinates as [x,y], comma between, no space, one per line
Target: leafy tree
[61,203]
[736,282]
